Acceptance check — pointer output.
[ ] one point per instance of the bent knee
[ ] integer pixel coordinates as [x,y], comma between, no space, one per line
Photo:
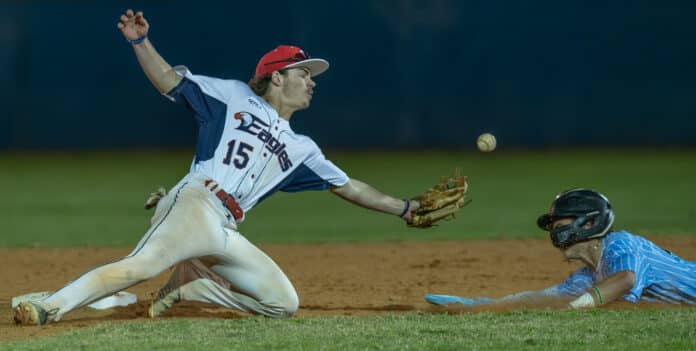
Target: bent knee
[285,307]
[291,306]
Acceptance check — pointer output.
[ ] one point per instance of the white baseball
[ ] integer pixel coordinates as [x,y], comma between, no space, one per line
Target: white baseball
[486,142]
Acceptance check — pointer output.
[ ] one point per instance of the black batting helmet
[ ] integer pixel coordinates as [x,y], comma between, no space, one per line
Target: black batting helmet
[584,205]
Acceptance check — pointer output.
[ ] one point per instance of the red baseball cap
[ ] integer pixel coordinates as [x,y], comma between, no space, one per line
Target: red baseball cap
[286,56]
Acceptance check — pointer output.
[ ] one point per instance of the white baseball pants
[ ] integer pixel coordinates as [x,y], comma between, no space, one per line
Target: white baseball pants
[190,223]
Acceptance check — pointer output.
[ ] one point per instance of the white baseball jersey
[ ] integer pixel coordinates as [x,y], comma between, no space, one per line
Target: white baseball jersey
[245,146]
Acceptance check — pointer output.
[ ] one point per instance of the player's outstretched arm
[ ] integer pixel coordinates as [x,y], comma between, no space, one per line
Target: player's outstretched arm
[548,298]
[366,196]
[610,289]
[606,291]
[135,27]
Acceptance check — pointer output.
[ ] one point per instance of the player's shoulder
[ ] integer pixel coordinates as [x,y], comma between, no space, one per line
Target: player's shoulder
[306,143]
[622,240]
[309,141]
[234,85]
[297,137]
[306,138]
[620,235]
[238,84]
[624,235]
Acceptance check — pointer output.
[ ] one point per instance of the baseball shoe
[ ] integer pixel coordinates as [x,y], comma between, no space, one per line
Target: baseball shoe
[31,313]
[184,273]
[170,293]
[163,300]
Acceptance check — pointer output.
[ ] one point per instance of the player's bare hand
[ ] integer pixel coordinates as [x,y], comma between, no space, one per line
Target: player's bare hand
[133,25]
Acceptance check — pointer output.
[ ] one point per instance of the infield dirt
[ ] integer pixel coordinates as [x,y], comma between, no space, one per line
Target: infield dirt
[331,279]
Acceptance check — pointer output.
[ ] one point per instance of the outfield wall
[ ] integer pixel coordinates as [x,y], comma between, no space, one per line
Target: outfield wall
[404,73]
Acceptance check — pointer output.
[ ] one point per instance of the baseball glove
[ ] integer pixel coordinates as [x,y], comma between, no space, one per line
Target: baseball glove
[441,201]
[154,198]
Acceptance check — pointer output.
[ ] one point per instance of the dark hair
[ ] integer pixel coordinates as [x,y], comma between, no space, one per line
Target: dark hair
[260,84]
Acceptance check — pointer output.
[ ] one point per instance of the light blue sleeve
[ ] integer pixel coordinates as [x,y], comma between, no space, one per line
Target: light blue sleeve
[575,285]
[621,260]
[622,255]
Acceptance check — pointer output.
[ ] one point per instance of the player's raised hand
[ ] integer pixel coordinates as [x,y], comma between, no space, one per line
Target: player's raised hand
[133,25]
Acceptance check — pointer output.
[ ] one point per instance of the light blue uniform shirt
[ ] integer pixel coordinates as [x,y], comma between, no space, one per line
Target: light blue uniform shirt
[661,276]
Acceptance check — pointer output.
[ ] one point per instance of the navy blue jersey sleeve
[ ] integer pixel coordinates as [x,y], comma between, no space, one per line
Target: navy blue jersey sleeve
[205,96]
[326,169]
[315,173]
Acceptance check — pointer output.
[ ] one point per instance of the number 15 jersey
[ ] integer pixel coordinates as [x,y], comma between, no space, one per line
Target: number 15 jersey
[245,146]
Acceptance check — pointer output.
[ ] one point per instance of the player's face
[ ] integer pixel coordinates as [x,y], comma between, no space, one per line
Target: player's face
[297,88]
[561,222]
[568,251]
[575,251]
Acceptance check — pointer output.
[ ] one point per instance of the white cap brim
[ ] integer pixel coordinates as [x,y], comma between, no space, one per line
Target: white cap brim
[316,66]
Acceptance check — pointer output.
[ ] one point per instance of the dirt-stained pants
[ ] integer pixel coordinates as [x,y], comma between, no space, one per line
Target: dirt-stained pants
[190,223]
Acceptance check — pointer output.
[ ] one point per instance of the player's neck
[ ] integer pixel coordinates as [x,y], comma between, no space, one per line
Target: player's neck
[284,111]
[588,252]
[593,253]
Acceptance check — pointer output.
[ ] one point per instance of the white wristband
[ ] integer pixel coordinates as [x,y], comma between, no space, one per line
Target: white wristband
[583,301]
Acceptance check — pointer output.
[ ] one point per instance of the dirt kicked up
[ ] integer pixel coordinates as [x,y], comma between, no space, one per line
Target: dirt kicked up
[331,279]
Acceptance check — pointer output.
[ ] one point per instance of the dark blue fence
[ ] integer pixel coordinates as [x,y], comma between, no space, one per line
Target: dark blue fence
[404,73]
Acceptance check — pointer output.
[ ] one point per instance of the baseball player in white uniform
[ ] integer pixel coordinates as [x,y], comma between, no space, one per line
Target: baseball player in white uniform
[246,151]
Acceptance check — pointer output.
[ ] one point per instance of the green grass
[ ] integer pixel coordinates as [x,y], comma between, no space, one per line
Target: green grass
[670,329]
[95,199]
